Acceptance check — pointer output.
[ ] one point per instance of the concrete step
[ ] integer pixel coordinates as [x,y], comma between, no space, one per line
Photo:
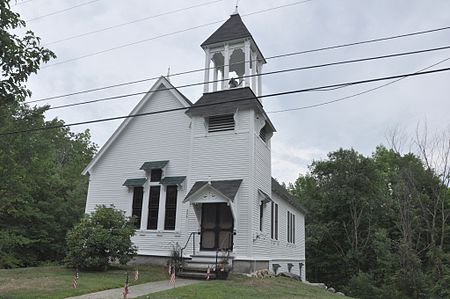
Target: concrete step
[189,267]
[203,262]
[208,259]
[196,275]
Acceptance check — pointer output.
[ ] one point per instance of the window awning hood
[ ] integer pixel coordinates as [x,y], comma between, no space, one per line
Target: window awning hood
[135,182]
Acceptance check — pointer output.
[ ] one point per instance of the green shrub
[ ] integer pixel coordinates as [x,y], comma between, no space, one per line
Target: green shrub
[175,257]
[362,286]
[99,239]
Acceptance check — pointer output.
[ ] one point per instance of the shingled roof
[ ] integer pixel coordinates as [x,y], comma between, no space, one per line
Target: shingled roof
[232,29]
[227,101]
[283,193]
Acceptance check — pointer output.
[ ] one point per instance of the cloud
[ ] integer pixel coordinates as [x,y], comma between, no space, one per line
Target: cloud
[302,136]
[290,161]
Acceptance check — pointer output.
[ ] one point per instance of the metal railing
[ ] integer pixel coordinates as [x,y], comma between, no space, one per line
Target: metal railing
[191,235]
[224,257]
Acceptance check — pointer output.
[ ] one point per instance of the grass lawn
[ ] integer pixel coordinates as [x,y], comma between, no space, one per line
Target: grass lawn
[239,286]
[56,281]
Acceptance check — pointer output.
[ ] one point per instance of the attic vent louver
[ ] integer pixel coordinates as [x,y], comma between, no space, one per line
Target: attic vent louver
[221,123]
[263,133]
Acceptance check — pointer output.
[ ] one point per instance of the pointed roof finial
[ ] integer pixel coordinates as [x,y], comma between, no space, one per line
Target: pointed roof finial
[236,8]
[168,74]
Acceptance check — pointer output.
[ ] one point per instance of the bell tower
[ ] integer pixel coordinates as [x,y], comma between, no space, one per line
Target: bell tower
[232,58]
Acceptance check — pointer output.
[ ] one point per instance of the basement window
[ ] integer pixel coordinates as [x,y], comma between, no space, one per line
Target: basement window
[221,123]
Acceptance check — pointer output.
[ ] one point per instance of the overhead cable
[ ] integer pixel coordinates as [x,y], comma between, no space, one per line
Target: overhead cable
[61,11]
[203,69]
[356,94]
[231,101]
[131,22]
[295,69]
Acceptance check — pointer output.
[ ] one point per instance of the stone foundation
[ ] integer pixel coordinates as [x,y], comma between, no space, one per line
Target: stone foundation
[249,266]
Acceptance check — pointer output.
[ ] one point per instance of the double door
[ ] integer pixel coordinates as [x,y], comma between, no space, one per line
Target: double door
[216,227]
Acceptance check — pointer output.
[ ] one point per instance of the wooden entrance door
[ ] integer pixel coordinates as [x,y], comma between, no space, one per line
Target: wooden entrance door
[217,227]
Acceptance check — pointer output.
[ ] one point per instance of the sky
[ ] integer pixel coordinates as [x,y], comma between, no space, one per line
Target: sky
[302,136]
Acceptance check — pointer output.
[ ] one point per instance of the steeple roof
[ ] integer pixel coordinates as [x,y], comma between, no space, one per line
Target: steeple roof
[232,29]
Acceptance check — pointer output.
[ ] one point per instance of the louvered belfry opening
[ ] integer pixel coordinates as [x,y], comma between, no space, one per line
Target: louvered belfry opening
[221,123]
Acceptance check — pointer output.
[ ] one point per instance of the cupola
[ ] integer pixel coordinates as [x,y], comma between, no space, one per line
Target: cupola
[232,58]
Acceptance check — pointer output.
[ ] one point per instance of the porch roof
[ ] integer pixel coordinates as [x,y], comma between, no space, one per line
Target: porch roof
[228,188]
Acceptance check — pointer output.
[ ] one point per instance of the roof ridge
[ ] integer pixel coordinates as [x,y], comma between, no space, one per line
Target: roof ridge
[233,28]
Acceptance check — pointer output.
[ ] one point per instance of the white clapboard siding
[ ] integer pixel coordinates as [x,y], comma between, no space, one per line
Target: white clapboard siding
[201,156]
[148,138]
[263,181]
[280,251]
[225,156]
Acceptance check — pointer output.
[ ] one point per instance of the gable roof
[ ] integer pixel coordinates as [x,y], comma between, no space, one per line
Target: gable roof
[284,194]
[232,29]
[228,101]
[228,188]
[162,81]
[179,93]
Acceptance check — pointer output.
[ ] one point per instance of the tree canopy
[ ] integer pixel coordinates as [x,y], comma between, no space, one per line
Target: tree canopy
[377,226]
[42,192]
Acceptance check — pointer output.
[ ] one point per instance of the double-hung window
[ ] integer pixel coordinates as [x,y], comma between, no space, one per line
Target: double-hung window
[153,207]
[261,216]
[290,227]
[274,221]
[171,207]
[138,193]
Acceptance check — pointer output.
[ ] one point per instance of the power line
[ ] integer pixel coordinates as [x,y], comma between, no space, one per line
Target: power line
[61,11]
[132,22]
[356,94]
[164,35]
[261,74]
[21,2]
[231,101]
[267,58]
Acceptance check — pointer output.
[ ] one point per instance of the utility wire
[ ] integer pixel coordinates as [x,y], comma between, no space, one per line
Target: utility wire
[267,58]
[356,94]
[61,11]
[131,22]
[21,2]
[231,101]
[165,35]
[258,75]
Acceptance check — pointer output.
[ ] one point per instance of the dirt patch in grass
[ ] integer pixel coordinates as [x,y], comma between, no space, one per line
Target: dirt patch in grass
[38,283]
